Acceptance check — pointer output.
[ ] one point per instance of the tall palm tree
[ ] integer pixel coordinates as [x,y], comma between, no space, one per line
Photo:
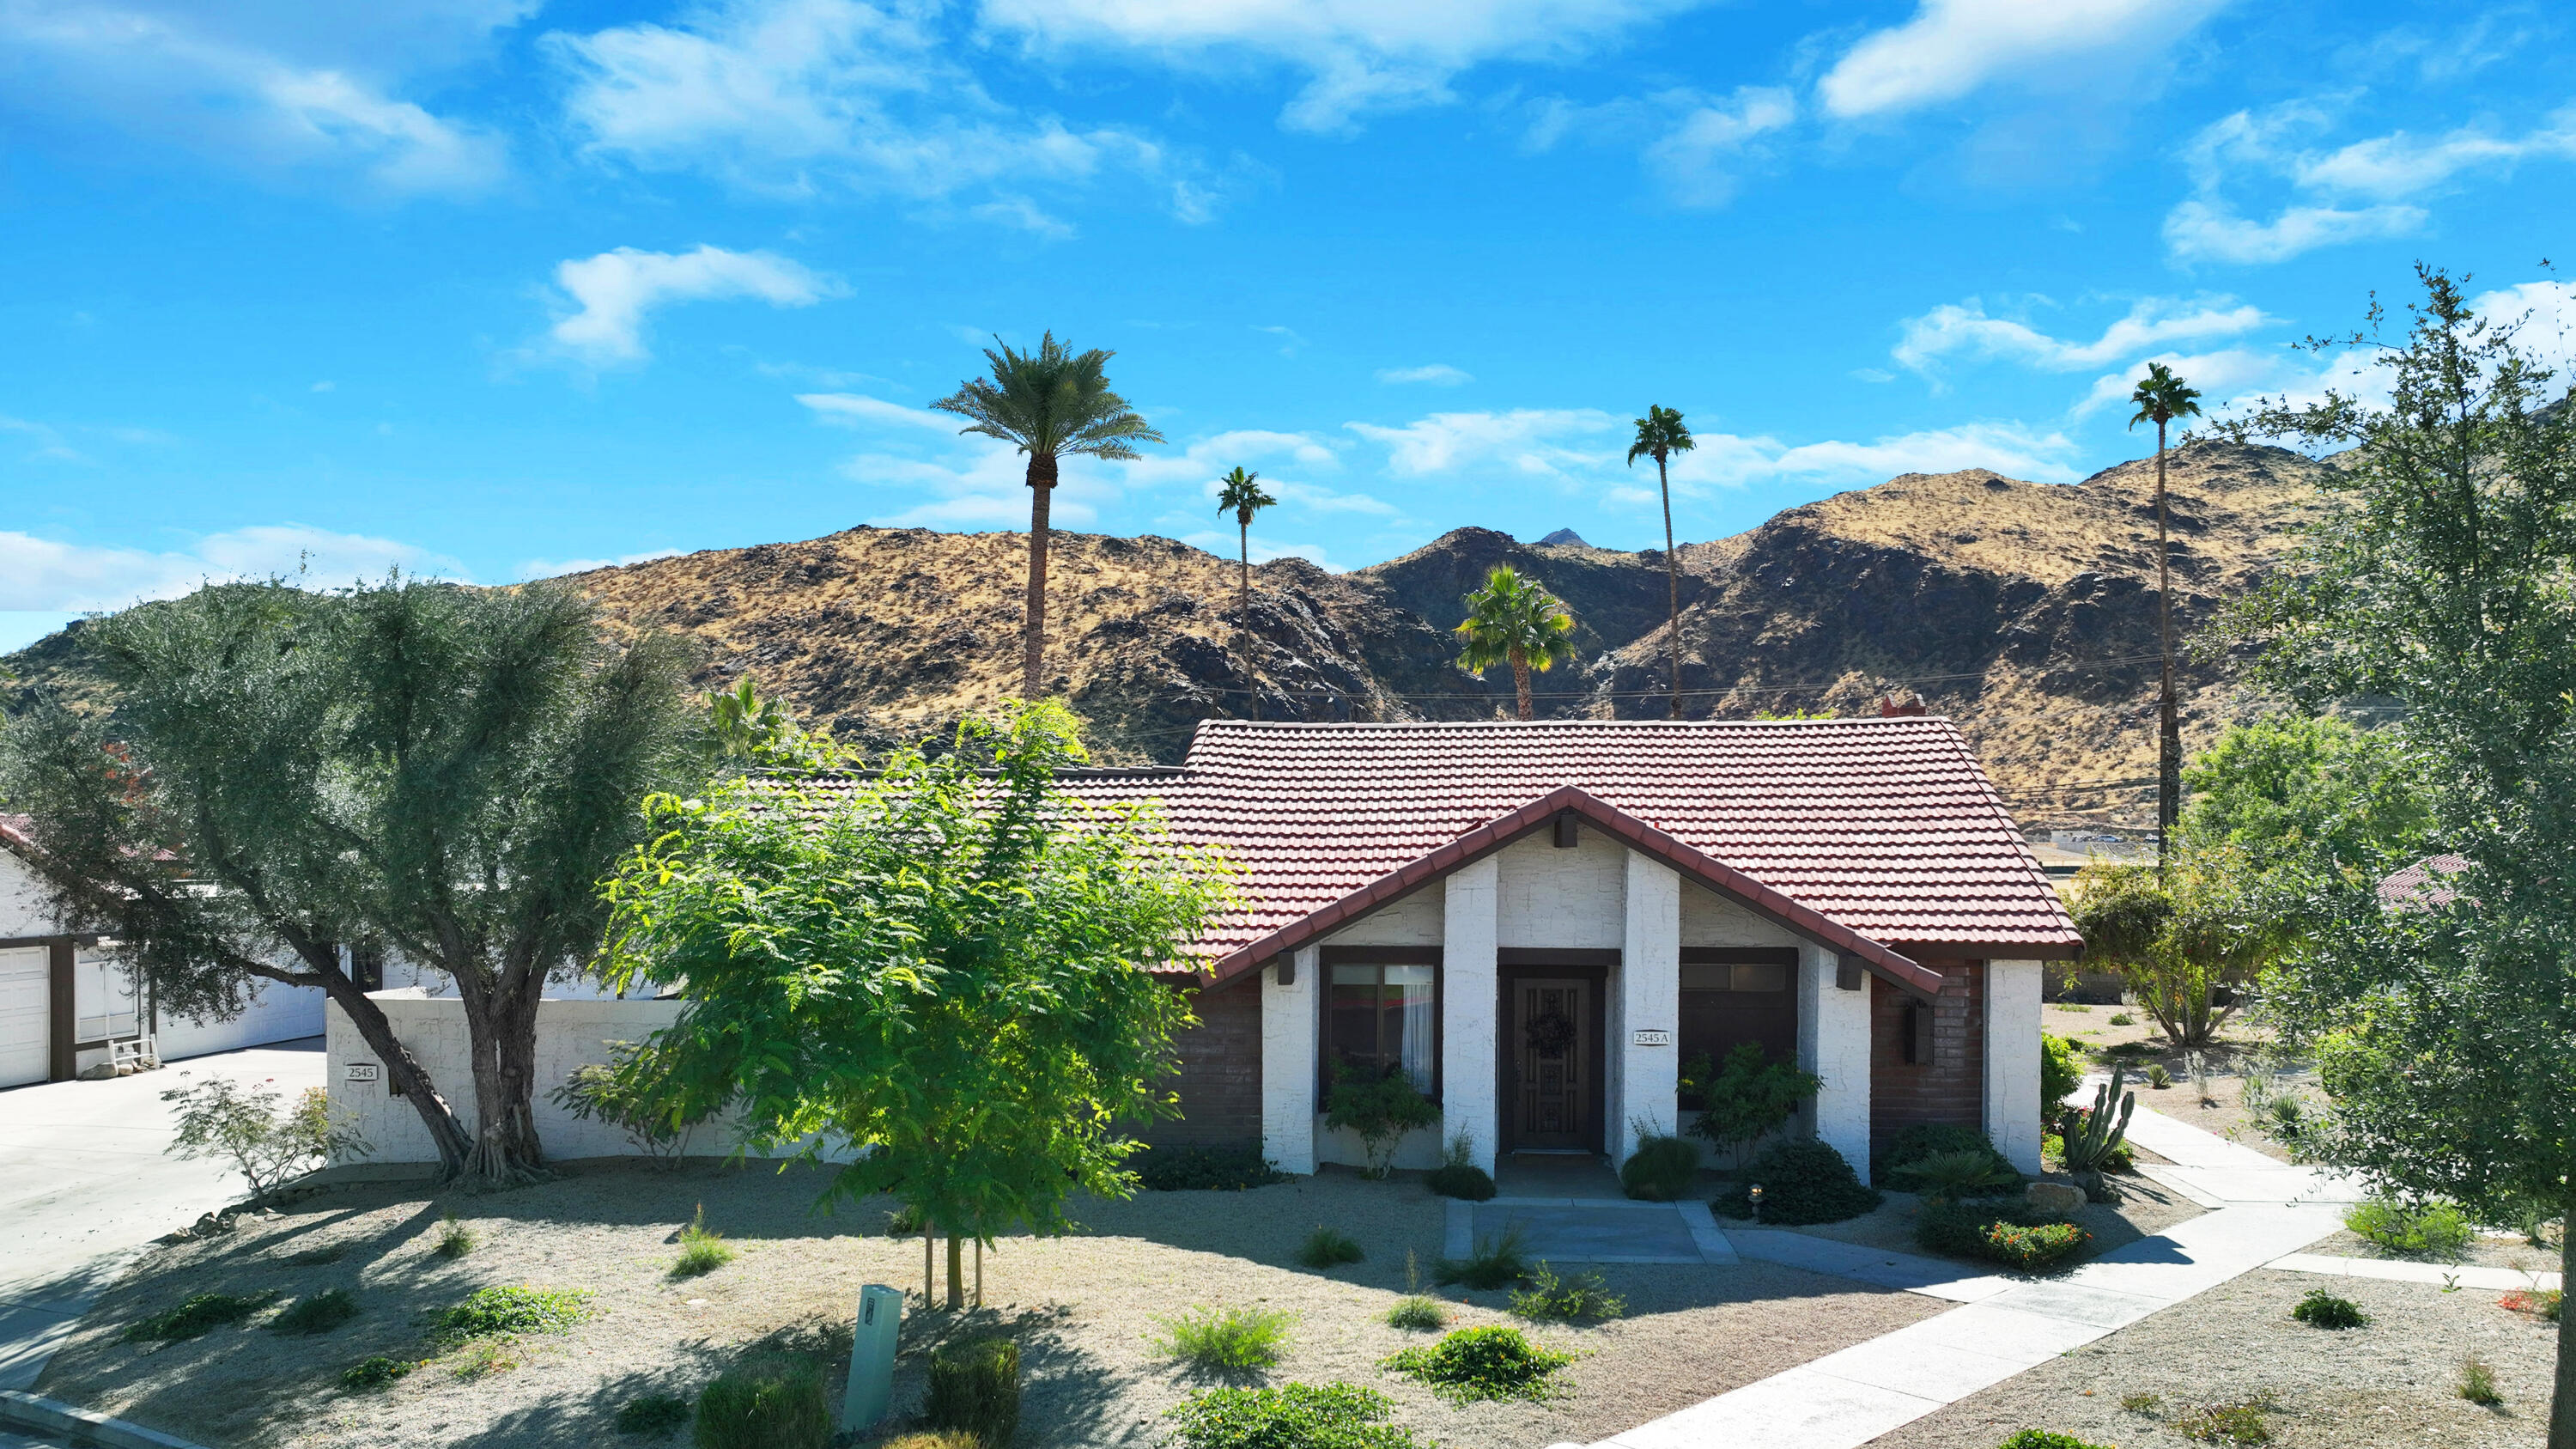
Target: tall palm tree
[1244,497]
[1660,434]
[1054,403]
[1513,621]
[2161,397]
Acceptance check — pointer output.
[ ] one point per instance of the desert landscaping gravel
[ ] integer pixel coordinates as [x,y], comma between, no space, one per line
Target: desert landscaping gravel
[2390,1384]
[1083,1308]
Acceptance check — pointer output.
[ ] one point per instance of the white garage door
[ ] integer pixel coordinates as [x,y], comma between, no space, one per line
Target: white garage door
[26,1016]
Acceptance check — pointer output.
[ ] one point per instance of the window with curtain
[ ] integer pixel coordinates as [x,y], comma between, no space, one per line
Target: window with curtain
[1380,1017]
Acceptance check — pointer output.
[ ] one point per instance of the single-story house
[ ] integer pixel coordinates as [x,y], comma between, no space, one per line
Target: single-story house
[65,1000]
[1540,922]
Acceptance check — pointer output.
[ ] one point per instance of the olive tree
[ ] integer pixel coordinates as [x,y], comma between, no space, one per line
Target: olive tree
[2443,575]
[940,974]
[443,771]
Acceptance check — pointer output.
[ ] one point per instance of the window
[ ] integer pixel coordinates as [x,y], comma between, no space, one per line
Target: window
[1383,1017]
[1734,995]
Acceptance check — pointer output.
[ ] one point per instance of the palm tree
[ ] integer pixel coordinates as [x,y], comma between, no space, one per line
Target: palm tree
[1513,621]
[1660,434]
[1054,403]
[2161,397]
[1243,495]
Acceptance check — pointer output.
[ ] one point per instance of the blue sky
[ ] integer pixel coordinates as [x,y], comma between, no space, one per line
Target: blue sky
[496,288]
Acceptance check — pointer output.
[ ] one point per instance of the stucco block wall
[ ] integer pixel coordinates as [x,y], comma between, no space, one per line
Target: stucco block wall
[1709,919]
[1219,1083]
[2012,1060]
[1288,1062]
[1833,1043]
[1952,1086]
[1469,994]
[1413,920]
[1566,898]
[1649,1000]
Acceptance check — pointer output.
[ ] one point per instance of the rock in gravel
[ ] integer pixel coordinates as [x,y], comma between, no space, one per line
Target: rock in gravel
[2055,1197]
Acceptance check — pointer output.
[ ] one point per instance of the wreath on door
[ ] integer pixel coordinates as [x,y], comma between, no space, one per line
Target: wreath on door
[1551,1034]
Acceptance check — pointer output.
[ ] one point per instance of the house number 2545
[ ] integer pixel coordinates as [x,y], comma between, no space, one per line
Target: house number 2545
[1650,1036]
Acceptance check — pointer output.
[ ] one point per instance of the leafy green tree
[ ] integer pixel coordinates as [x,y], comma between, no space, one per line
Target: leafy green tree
[1243,498]
[2308,789]
[2440,575]
[2162,397]
[1660,434]
[1052,403]
[945,966]
[1748,1098]
[2179,930]
[1379,1106]
[442,770]
[1513,621]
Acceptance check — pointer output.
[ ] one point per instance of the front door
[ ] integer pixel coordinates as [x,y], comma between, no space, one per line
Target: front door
[1551,1050]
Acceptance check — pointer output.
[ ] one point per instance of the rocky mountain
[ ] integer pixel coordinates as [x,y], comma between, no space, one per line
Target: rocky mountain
[2023,609]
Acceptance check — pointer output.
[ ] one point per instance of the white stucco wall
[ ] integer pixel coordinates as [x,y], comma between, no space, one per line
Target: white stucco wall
[1649,1000]
[1469,992]
[1412,920]
[2012,1061]
[1288,1066]
[569,1034]
[1562,898]
[1709,919]
[23,908]
[1833,1043]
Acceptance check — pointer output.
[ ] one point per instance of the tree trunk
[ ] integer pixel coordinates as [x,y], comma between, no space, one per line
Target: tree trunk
[1243,626]
[1042,475]
[403,1072]
[956,1273]
[2562,1402]
[929,1275]
[2168,723]
[1521,681]
[1672,579]
[501,1036]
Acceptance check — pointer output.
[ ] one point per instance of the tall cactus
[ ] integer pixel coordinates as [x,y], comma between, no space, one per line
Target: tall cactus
[2091,1138]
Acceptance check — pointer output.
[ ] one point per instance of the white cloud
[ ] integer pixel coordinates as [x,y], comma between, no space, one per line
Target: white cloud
[1358,56]
[1438,374]
[2398,165]
[240,84]
[46,574]
[1223,545]
[2230,371]
[1695,159]
[45,444]
[2004,447]
[850,410]
[1953,47]
[555,568]
[2208,231]
[1965,329]
[2543,316]
[613,291]
[1541,442]
[797,95]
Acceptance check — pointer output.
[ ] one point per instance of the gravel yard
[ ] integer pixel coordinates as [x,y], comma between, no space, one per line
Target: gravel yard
[1083,1308]
[2390,1384]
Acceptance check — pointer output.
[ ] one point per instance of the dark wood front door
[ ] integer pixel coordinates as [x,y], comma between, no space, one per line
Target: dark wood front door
[1551,1047]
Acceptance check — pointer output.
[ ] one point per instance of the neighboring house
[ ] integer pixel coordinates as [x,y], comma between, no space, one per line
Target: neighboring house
[2423,886]
[64,998]
[1540,922]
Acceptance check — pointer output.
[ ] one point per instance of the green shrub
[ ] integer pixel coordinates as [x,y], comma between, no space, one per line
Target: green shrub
[1802,1182]
[1747,1098]
[2159,1076]
[933,1439]
[2043,1439]
[1418,1313]
[197,1316]
[975,1387]
[2545,1303]
[2122,1018]
[455,1240]
[1461,1180]
[2477,1383]
[1291,1416]
[2142,1403]
[1379,1108]
[224,1119]
[702,1248]
[491,1354]
[769,1402]
[505,1310]
[1566,1300]
[1950,1176]
[375,1373]
[1204,1169]
[2061,1071]
[1225,1339]
[317,1312]
[2234,1425]
[1910,1144]
[2012,1233]
[654,1414]
[1661,1168]
[1497,1261]
[1492,1362]
[1329,1248]
[2324,1310]
[2412,1230]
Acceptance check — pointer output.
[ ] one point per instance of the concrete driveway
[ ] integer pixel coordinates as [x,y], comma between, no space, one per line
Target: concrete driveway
[85,1184]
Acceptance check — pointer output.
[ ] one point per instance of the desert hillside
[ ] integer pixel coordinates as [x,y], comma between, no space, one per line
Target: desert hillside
[2024,610]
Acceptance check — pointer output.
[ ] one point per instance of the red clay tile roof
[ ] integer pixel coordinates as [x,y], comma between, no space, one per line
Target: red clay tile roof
[2421,886]
[1887,828]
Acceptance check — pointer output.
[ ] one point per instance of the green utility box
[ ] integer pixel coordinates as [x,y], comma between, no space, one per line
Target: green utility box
[872,1356]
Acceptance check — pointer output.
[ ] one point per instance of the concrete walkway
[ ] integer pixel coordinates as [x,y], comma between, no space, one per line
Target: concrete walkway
[85,1184]
[2445,1275]
[2213,1172]
[2005,1325]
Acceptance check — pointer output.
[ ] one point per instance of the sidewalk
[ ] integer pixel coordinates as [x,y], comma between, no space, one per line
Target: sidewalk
[2006,1325]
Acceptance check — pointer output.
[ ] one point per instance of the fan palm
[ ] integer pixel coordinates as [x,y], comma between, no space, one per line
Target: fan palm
[1660,434]
[1244,498]
[1053,403]
[2162,397]
[1513,621]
